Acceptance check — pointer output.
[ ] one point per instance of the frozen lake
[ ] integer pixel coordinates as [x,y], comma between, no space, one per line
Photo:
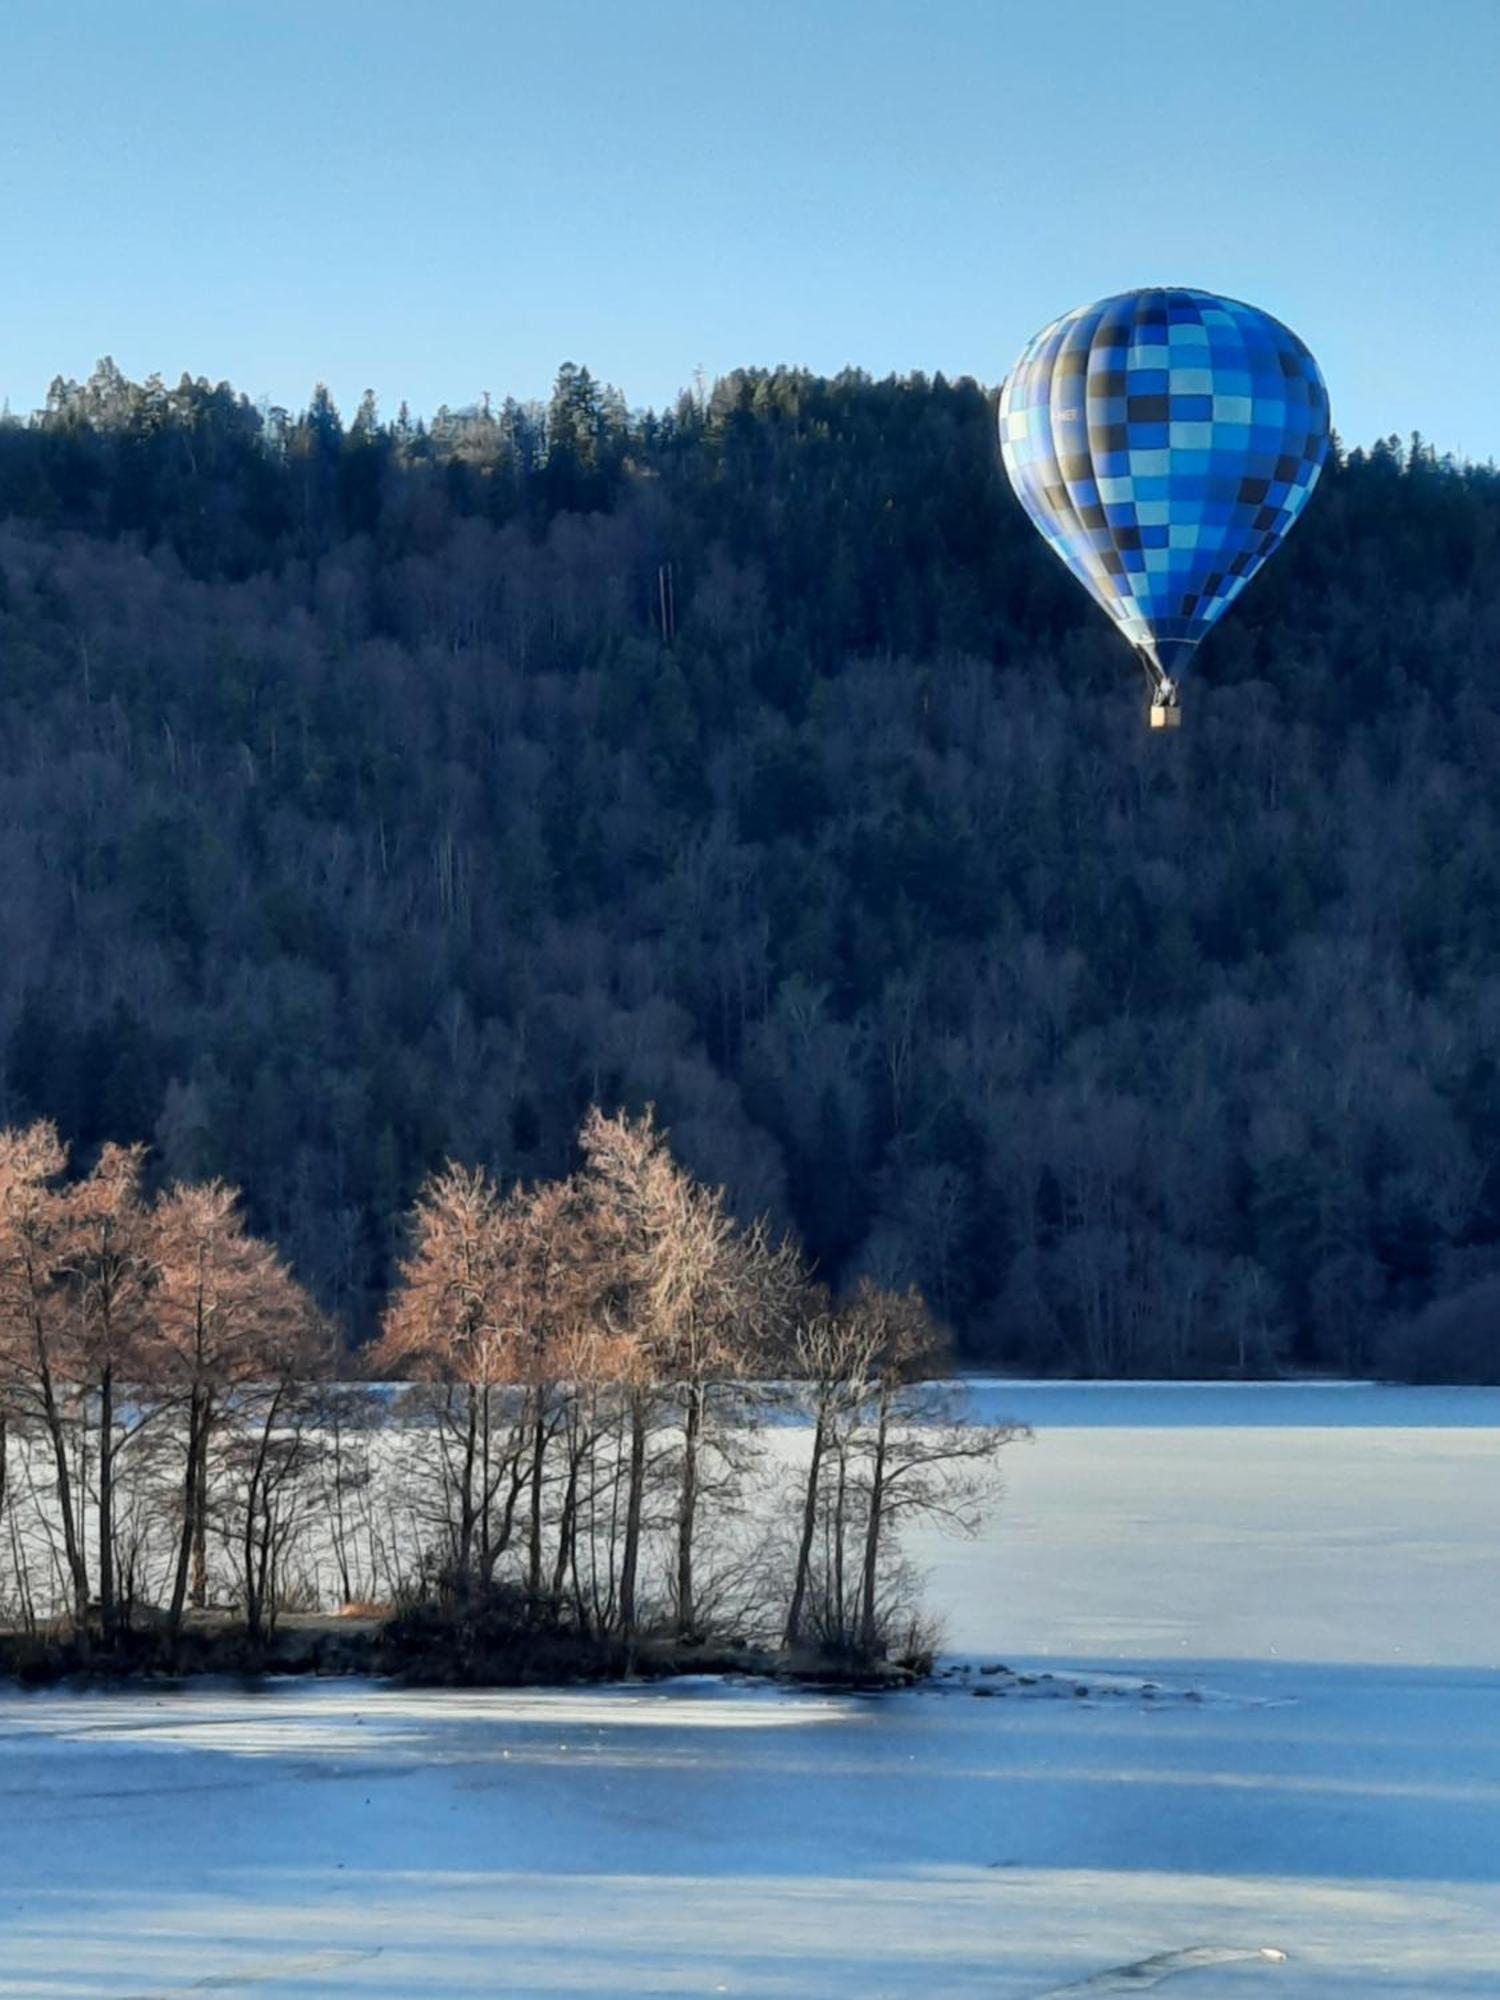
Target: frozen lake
[1340,1523]
[1310,1574]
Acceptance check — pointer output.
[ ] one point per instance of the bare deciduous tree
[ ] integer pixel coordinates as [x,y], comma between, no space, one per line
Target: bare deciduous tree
[447,1325]
[33,1317]
[108,1268]
[226,1308]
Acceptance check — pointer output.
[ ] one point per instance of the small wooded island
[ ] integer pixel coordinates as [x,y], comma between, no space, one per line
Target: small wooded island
[610,1430]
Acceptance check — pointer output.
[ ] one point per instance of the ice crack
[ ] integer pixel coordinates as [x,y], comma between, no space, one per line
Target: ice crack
[1164,1965]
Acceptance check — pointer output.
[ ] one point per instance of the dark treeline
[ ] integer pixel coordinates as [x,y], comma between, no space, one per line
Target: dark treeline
[374,793]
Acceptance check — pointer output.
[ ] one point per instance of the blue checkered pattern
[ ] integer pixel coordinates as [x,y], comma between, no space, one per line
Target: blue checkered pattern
[1164,442]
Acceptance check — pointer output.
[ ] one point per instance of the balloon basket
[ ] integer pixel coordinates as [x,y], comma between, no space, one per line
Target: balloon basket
[1166,718]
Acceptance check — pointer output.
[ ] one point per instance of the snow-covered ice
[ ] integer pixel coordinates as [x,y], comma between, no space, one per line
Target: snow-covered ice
[1307,1802]
[1347,1523]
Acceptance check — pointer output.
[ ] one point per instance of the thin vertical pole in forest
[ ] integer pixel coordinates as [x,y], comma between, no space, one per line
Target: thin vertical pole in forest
[667,602]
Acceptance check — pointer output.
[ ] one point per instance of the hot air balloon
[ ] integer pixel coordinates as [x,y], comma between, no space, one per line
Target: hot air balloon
[1164,442]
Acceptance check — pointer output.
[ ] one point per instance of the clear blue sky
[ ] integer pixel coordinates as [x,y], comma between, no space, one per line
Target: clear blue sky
[434,200]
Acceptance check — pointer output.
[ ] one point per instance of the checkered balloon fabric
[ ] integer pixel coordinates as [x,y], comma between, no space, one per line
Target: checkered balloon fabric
[1164,442]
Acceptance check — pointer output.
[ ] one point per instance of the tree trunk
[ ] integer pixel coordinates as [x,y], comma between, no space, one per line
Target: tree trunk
[534,1525]
[200,1522]
[586,1540]
[340,1546]
[467,1512]
[840,1497]
[508,1512]
[635,1498]
[486,1489]
[107,1498]
[259,1536]
[252,1589]
[809,1529]
[687,1508]
[872,1532]
[567,1529]
[190,1489]
[257,1551]
[77,1565]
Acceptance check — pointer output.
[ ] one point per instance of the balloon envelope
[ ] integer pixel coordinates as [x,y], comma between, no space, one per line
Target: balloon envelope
[1164,442]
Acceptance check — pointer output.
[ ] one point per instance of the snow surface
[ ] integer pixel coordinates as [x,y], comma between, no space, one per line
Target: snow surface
[1345,1523]
[1315,1771]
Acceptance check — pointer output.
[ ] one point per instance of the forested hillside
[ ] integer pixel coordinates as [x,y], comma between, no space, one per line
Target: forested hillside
[377,793]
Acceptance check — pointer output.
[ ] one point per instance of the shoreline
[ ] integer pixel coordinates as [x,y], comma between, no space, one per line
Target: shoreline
[432,1652]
